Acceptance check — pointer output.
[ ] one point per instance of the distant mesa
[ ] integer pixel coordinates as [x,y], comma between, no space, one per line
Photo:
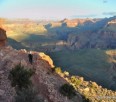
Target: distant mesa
[76,22]
[3,37]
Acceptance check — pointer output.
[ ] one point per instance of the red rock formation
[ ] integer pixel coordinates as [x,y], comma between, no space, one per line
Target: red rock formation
[3,37]
[76,22]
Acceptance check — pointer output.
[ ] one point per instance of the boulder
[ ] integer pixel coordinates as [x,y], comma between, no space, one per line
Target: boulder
[46,58]
[86,89]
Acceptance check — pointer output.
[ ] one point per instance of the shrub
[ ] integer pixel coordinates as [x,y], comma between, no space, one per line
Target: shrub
[66,73]
[85,99]
[27,95]
[20,77]
[58,70]
[75,81]
[67,90]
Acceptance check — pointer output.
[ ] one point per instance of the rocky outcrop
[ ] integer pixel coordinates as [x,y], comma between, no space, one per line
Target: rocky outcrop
[46,58]
[3,37]
[46,82]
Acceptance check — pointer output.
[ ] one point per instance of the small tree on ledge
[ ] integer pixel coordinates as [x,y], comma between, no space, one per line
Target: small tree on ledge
[20,77]
[68,90]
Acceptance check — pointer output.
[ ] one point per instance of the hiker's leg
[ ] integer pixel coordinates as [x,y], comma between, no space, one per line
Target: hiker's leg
[31,61]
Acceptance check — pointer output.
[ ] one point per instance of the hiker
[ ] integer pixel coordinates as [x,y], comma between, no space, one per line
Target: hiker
[30,57]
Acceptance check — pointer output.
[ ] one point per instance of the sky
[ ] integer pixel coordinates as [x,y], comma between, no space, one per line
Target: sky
[57,9]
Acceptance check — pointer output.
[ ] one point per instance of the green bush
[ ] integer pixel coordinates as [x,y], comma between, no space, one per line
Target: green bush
[20,77]
[58,70]
[67,90]
[27,95]
[75,81]
[66,73]
[85,99]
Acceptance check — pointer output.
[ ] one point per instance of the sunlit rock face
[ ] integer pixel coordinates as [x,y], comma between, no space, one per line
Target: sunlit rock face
[3,37]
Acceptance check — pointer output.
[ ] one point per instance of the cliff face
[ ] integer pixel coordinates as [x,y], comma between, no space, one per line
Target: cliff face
[44,80]
[102,39]
[100,34]
[3,37]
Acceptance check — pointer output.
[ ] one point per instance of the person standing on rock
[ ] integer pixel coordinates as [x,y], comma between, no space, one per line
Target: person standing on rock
[30,57]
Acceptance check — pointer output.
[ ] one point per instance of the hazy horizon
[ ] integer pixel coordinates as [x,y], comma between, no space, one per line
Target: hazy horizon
[56,9]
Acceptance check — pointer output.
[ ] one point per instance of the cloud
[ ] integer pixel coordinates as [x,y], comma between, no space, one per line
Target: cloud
[109,13]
